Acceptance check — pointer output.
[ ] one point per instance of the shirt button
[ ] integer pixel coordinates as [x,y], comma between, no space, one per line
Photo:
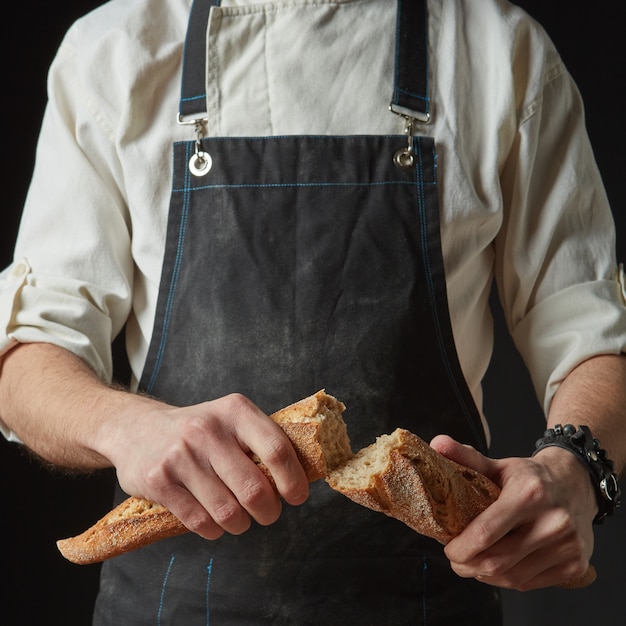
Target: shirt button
[19,270]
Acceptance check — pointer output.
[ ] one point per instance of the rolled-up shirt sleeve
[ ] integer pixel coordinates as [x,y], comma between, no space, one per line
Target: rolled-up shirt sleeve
[558,278]
[71,278]
[571,326]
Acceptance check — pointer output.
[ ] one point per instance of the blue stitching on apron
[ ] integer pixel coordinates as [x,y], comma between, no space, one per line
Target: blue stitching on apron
[190,98]
[283,185]
[414,95]
[167,575]
[209,569]
[431,292]
[174,279]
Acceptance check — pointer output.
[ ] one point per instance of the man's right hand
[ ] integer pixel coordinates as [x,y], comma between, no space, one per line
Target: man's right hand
[193,460]
[196,461]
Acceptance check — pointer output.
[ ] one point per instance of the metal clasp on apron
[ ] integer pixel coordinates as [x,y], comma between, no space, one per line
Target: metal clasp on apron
[404,157]
[200,162]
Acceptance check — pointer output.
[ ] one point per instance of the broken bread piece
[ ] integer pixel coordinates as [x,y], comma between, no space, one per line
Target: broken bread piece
[318,434]
[402,476]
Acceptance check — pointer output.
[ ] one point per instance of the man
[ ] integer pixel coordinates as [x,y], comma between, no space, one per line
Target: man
[316,288]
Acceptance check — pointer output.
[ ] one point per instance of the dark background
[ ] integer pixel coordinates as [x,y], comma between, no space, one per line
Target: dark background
[39,507]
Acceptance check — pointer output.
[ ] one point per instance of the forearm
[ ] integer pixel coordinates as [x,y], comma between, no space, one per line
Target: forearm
[594,395]
[194,460]
[58,407]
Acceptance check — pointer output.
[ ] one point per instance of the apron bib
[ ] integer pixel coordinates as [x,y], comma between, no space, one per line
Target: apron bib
[299,263]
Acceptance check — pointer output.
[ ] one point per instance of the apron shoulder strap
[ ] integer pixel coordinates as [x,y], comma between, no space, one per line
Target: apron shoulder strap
[410,92]
[193,84]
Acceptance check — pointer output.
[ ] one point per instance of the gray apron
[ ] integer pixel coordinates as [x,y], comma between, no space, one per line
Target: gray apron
[314,262]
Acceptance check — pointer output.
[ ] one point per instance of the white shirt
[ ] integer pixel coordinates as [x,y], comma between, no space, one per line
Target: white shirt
[521,197]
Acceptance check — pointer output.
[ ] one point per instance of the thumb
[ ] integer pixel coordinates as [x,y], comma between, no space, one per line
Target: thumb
[464,455]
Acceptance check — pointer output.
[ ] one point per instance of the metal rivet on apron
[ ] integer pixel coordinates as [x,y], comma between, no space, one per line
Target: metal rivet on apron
[403,158]
[200,163]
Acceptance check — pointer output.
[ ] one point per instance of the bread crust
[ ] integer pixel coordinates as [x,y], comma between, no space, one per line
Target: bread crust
[132,524]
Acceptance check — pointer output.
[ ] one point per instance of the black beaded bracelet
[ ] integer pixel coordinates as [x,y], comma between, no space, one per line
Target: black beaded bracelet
[587,449]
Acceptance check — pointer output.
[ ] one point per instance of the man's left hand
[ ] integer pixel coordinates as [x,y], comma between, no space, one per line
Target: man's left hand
[539,532]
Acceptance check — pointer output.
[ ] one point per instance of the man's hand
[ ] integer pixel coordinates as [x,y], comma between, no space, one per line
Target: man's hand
[539,531]
[196,461]
[193,460]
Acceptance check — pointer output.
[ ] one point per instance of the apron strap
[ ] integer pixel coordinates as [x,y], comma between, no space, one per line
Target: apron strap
[410,93]
[193,85]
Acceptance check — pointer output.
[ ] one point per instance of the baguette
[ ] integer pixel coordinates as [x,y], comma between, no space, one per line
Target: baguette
[314,426]
[401,476]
